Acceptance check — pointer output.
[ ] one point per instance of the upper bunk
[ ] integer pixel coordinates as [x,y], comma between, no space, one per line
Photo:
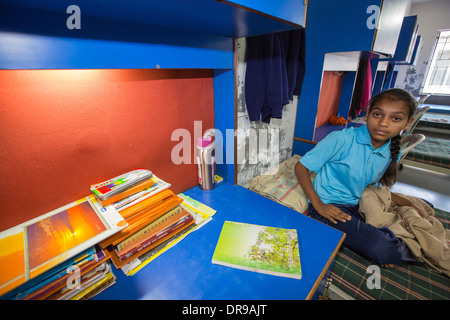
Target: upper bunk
[135,34]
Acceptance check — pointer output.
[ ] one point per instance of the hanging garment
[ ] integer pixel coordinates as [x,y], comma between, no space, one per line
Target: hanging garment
[367,90]
[358,89]
[295,62]
[388,77]
[275,71]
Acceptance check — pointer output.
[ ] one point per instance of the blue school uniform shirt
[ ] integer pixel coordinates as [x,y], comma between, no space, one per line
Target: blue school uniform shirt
[346,163]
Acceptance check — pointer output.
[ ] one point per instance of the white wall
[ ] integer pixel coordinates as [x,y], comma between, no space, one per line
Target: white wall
[432,17]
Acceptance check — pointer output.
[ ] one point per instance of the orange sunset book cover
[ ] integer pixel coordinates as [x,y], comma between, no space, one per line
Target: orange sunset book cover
[30,250]
[61,232]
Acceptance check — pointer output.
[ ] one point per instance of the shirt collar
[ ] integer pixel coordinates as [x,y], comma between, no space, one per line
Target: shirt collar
[363,137]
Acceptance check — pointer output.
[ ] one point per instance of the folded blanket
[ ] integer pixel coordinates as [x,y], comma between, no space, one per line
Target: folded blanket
[425,237]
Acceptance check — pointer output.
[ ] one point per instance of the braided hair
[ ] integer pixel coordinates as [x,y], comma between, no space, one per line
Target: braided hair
[390,175]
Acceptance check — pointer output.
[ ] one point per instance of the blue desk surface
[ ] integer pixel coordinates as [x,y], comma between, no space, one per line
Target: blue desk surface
[185,272]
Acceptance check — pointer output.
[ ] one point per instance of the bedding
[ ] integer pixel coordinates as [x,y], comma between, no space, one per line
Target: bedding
[282,186]
[350,270]
[425,236]
[432,151]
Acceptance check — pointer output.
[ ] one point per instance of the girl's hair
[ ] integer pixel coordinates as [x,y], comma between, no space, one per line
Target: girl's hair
[390,175]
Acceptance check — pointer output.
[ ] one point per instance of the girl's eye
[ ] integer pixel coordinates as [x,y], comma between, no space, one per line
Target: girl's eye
[376,114]
[396,119]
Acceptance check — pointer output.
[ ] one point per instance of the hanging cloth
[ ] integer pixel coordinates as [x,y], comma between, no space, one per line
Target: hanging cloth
[275,72]
[358,89]
[367,89]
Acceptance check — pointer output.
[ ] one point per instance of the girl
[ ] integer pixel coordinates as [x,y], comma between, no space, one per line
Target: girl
[346,162]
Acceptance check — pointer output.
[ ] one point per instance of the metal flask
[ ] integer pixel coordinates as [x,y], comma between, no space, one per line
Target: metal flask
[205,161]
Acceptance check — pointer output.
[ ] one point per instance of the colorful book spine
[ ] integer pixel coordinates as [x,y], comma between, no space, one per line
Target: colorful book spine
[128,192]
[114,186]
[108,277]
[158,186]
[143,232]
[156,237]
[52,275]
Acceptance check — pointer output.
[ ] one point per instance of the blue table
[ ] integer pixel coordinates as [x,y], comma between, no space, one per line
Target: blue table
[185,272]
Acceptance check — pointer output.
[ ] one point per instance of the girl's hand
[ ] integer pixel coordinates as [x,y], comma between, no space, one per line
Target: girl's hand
[421,214]
[403,202]
[332,213]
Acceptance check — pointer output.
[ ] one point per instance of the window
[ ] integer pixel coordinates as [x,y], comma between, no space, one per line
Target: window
[437,80]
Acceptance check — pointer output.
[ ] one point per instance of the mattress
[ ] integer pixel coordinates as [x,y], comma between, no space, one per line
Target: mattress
[352,275]
[433,151]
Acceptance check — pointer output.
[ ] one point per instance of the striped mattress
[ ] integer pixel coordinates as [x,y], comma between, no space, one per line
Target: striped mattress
[350,273]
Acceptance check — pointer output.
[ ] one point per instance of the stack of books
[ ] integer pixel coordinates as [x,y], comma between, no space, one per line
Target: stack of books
[41,258]
[202,215]
[154,214]
[68,253]
[79,278]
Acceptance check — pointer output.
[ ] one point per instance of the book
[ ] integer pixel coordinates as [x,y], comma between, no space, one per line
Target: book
[44,242]
[85,280]
[201,213]
[142,214]
[144,185]
[97,287]
[166,229]
[139,262]
[119,184]
[49,276]
[262,249]
[145,230]
[158,186]
[146,204]
[65,282]
[119,263]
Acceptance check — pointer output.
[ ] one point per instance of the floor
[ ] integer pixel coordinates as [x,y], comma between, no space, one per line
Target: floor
[428,185]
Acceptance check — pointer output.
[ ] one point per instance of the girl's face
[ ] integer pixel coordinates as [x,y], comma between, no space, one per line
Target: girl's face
[386,120]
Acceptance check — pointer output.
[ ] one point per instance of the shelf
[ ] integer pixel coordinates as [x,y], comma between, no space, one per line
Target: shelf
[333,26]
[406,45]
[134,34]
[223,18]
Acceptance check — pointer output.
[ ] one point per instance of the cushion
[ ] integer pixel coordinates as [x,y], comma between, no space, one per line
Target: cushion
[282,186]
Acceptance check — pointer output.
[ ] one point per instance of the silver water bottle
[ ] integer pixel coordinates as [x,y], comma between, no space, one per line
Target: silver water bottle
[205,161]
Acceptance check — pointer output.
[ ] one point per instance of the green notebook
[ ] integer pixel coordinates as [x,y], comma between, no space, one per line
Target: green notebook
[257,248]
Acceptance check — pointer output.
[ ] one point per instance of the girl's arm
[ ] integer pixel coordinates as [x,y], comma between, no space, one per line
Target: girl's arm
[328,211]
[400,201]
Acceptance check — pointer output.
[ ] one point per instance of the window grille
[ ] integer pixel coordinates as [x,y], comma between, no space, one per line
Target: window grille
[437,79]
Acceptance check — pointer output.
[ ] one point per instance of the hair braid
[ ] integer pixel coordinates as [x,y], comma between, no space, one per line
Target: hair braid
[395,147]
[390,175]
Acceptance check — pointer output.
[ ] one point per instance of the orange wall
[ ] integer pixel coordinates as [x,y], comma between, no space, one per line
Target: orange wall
[63,130]
[330,93]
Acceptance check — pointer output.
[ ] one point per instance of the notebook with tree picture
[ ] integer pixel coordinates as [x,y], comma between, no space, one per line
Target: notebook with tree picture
[258,248]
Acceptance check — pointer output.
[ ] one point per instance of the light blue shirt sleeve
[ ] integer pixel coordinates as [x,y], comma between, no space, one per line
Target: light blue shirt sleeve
[324,151]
